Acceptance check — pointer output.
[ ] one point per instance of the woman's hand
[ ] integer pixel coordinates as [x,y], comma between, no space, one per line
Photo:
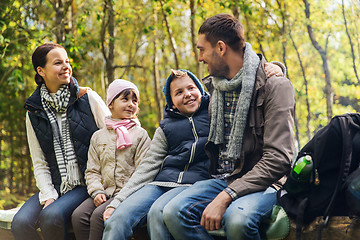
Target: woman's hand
[99,199]
[48,202]
[108,212]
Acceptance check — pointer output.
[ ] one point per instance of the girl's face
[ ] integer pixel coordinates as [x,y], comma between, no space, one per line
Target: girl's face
[57,70]
[124,107]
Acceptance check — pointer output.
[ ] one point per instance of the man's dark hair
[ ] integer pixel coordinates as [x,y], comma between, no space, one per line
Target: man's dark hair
[226,28]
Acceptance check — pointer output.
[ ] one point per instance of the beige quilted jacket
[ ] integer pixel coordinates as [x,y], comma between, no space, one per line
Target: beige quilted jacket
[108,169]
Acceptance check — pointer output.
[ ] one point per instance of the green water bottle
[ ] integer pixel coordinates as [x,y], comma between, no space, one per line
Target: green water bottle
[300,176]
[302,169]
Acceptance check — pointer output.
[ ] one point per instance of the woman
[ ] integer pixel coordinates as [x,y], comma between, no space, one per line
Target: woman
[61,118]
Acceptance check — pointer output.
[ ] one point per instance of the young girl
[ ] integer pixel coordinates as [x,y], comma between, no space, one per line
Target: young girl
[60,121]
[115,151]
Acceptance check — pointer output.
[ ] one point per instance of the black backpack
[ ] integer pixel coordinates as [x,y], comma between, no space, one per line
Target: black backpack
[335,151]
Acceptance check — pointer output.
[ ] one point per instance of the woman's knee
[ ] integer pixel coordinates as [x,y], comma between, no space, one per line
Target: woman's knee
[51,218]
[21,223]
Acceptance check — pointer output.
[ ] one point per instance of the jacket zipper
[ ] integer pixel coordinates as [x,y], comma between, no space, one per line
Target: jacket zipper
[192,154]
[162,164]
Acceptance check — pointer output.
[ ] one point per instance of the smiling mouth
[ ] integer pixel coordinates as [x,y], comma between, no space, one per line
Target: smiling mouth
[65,74]
[190,102]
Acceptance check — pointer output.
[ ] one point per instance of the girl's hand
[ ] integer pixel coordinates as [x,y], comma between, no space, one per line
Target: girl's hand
[99,199]
[108,212]
[48,202]
[273,69]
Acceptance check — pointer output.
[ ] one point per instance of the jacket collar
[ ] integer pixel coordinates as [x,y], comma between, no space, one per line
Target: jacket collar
[260,74]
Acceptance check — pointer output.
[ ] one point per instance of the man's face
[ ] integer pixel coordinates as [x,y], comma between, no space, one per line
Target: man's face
[216,65]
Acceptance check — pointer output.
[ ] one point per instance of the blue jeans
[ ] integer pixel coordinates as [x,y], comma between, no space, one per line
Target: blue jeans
[241,220]
[132,213]
[52,220]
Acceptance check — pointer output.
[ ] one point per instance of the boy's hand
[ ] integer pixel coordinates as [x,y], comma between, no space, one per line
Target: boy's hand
[108,212]
[99,199]
[273,69]
[214,212]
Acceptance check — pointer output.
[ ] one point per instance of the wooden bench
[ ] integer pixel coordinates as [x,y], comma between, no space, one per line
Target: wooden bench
[343,228]
[6,217]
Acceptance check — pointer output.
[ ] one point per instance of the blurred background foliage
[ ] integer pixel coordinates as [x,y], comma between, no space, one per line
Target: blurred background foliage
[141,40]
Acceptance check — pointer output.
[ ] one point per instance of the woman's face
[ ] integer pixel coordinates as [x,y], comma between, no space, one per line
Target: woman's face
[57,70]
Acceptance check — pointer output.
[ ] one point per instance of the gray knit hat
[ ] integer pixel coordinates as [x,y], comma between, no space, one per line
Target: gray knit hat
[166,89]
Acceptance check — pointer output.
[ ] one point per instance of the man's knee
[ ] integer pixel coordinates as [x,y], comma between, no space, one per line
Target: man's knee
[240,224]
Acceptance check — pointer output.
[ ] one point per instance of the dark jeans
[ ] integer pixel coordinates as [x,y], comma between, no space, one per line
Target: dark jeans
[53,220]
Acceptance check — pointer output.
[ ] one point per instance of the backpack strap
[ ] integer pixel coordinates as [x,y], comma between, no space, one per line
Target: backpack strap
[344,122]
[300,217]
[345,159]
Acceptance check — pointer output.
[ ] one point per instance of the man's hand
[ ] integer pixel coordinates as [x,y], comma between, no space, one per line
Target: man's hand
[99,199]
[214,212]
[48,202]
[108,212]
[273,69]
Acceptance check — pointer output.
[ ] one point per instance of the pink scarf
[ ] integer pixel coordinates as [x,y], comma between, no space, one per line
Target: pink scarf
[121,127]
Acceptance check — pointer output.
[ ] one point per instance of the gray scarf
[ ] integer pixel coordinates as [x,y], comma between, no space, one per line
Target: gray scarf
[245,79]
[63,146]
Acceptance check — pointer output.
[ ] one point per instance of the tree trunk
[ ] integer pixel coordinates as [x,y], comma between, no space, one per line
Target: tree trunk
[323,54]
[283,32]
[60,7]
[59,22]
[108,52]
[12,156]
[235,10]
[156,74]
[193,36]
[308,117]
[171,39]
[2,175]
[350,41]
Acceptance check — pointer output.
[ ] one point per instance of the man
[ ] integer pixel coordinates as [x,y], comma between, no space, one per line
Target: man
[250,144]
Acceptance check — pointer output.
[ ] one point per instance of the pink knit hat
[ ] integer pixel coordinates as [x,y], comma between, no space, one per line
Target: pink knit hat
[116,87]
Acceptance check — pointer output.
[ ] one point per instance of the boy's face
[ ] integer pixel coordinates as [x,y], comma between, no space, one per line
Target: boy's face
[185,95]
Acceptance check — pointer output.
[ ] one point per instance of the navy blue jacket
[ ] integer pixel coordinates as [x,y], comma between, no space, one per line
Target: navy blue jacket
[186,161]
[82,126]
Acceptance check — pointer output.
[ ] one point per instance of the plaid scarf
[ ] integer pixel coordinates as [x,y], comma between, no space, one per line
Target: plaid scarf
[63,146]
[244,79]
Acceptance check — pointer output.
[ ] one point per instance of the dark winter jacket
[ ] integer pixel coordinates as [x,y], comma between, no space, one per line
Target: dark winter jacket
[82,126]
[186,161]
